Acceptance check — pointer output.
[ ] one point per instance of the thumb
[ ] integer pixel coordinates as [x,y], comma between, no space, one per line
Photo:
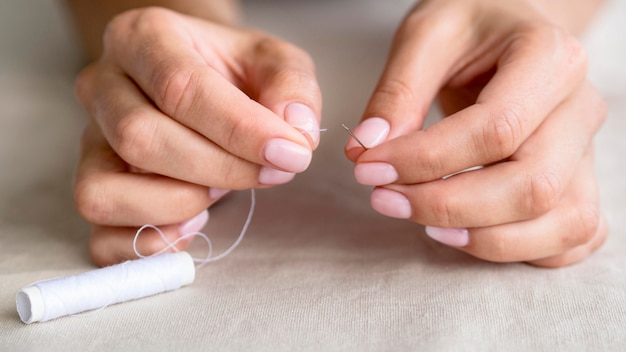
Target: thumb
[425,48]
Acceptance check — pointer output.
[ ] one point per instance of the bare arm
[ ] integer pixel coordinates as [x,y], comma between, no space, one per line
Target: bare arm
[91,17]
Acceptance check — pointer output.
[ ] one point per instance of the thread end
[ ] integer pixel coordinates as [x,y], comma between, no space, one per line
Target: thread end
[29,304]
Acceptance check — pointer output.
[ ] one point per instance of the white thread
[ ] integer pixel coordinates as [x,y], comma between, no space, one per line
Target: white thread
[311,131]
[50,299]
[94,290]
[209,258]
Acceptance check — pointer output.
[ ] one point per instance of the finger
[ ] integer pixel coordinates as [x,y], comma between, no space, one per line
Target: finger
[554,236]
[112,245]
[576,254]
[282,78]
[525,89]
[531,183]
[150,140]
[574,223]
[416,157]
[107,194]
[180,71]
[417,67]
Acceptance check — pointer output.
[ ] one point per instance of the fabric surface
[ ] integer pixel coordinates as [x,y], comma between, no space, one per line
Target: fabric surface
[319,270]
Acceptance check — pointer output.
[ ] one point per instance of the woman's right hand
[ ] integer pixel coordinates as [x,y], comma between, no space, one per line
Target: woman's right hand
[182,110]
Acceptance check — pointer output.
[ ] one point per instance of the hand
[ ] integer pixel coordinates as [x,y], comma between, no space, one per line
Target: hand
[513,87]
[197,108]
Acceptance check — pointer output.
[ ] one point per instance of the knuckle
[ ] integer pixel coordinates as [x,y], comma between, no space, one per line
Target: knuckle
[151,245]
[499,251]
[173,86]
[129,23]
[442,211]
[152,15]
[567,49]
[83,83]
[90,198]
[299,79]
[297,54]
[602,233]
[600,108]
[576,58]
[431,162]
[135,138]
[544,192]
[227,167]
[394,90]
[266,45]
[295,65]
[236,131]
[436,24]
[493,246]
[585,220]
[144,20]
[135,29]
[189,200]
[115,29]
[503,132]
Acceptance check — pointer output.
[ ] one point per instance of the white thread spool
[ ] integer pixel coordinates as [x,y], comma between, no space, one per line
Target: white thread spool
[45,300]
[50,299]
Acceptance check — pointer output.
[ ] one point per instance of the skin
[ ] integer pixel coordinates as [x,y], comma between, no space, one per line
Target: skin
[513,85]
[161,93]
[162,129]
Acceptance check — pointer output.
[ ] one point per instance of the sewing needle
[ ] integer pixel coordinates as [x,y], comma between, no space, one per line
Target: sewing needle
[353,136]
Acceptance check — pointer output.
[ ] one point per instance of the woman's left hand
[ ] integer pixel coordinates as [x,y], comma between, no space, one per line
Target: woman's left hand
[513,85]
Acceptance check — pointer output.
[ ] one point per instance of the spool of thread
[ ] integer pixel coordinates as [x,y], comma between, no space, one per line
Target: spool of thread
[50,299]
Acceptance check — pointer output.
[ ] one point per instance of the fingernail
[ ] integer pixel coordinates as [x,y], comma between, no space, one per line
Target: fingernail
[391,203]
[302,117]
[287,155]
[375,174]
[370,132]
[269,176]
[453,237]
[194,224]
[217,193]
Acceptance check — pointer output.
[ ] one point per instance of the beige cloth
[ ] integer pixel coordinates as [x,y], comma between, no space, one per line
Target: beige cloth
[319,270]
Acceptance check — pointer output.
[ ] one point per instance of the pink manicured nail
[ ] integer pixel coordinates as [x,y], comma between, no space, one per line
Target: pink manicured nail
[375,174]
[217,193]
[391,203]
[194,224]
[302,117]
[370,132]
[269,176]
[449,236]
[287,155]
